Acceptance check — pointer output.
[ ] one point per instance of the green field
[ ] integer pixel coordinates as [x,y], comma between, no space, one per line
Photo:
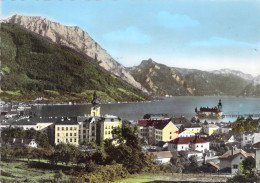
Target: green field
[172,178]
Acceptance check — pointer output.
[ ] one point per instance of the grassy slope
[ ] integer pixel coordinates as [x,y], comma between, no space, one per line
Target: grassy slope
[33,67]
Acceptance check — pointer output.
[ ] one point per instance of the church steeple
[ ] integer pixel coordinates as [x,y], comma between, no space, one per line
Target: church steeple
[220,105]
[95,109]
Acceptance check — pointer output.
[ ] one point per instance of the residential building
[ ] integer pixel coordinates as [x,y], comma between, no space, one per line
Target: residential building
[155,131]
[232,159]
[256,146]
[248,139]
[88,128]
[162,157]
[106,125]
[209,129]
[20,142]
[188,143]
[186,133]
[194,128]
[67,131]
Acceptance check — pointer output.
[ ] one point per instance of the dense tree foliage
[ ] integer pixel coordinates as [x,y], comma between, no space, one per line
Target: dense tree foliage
[33,66]
[244,125]
[40,137]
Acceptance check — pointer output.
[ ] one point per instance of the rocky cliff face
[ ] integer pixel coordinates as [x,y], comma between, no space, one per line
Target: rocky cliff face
[77,39]
[160,80]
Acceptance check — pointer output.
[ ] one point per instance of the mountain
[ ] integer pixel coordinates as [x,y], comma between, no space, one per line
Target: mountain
[76,39]
[257,80]
[229,72]
[32,66]
[162,80]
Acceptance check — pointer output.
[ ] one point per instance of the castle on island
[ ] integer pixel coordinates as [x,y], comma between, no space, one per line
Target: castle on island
[210,113]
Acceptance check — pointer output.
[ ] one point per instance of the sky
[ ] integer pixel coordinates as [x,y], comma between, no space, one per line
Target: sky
[198,34]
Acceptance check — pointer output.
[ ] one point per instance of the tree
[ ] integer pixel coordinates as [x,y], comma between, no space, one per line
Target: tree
[248,164]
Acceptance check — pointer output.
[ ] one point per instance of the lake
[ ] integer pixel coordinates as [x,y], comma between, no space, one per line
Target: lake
[174,106]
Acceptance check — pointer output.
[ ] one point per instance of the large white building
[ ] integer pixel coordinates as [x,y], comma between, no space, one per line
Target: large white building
[188,143]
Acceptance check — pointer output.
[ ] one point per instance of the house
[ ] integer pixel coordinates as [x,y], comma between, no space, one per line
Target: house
[232,159]
[194,128]
[209,129]
[67,131]
[157,130]
[186,133]
[256,146]
[248,139]
[188,143]
[210,167]
[162,157]
[20,142]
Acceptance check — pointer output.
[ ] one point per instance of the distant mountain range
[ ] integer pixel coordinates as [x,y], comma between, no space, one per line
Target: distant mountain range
[65,63]
[160,80]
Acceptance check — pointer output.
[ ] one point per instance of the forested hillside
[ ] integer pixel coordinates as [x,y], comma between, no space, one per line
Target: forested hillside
[33,67]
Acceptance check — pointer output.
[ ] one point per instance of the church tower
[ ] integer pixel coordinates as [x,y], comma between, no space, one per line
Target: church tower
[220,105]
[95,109]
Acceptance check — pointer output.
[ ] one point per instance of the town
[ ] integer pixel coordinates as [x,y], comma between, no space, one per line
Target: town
[175,144]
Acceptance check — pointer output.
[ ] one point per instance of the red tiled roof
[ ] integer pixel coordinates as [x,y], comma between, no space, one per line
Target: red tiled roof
[188,140]
[153,123]
[215,110]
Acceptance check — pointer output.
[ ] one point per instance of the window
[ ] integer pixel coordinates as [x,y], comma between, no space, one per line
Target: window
[106,132]
[106,127]
[66,134]
[70,128]
[201,145]
[170,137]
[75,128]
[70,140]
[70,134]
[235,166]
[182,147]
[58,140]
[245,138]
[170,132]
[62,128]
[58,134]
[66,140]
[67,128]
[197,145]
[75,134]
[75,140]
[241,157]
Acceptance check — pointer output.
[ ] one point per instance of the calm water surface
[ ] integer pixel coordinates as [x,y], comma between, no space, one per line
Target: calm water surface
[174,106]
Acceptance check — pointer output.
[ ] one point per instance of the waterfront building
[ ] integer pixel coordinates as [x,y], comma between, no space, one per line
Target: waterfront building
[67,131]
[210,113]
[188,143]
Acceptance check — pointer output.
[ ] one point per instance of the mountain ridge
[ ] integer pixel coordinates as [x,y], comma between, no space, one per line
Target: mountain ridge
[77,39]
[193,82]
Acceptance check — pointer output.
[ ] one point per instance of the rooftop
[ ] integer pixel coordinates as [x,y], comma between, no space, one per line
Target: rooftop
[188,140]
